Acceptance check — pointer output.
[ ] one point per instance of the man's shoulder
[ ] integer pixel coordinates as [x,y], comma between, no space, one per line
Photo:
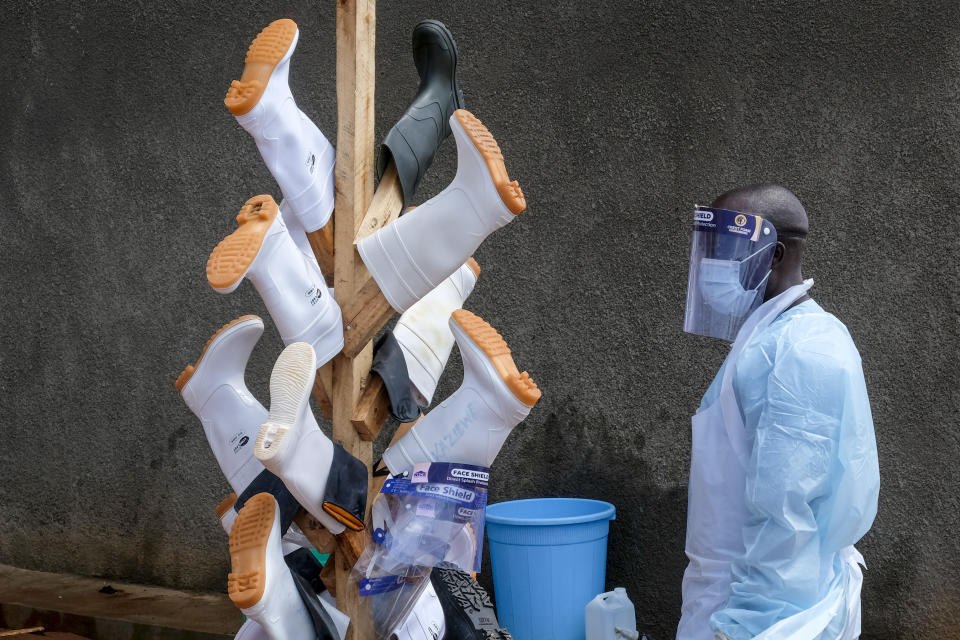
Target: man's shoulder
[814,334]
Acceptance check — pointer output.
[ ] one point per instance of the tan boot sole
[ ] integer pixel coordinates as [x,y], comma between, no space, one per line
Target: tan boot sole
[265,53]
[225,505]
[248,550]
[493,344]
[231,258]
[187,372]
[510,192]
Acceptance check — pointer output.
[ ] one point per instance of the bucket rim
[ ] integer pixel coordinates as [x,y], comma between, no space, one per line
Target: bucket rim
[608,512]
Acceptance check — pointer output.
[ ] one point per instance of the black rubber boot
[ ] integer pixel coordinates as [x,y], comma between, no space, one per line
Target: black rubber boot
[346,495]
[414,140]
[467,609]
[302,562]
[323,625]
[266,482]
[390,365]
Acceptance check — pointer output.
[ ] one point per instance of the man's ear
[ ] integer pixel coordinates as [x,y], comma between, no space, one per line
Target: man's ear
[778,252]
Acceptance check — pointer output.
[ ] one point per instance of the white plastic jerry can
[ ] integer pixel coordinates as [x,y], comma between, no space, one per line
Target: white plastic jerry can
[610,616]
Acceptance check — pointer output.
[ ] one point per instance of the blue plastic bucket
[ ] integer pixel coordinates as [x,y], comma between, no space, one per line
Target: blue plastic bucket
[549,559]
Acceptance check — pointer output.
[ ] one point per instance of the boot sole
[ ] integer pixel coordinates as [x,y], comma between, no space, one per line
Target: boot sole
[226,505]
[459,591]
[189,370]
[229,261]
[474,266]
[498,352]
[248,551]
[290,385]
[268,49]
[509,191]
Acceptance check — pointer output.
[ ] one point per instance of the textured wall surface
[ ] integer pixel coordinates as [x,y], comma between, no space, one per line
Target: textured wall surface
[120,169]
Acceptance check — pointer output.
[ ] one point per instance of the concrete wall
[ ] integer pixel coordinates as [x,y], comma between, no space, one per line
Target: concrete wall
[121,169]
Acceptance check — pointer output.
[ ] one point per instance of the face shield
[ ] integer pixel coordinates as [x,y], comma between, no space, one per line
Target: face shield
[729,267]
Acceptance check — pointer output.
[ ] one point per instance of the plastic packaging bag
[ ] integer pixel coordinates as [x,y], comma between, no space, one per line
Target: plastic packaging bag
[434,517]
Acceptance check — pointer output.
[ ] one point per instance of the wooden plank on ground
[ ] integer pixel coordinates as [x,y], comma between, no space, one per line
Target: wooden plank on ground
[76,604]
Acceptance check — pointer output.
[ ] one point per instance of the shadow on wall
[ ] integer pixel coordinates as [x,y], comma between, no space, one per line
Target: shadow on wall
[575,459]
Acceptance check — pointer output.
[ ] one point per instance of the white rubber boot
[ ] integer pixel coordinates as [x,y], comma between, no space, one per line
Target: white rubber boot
[292,288]
[415,253]
[226,513]
[251,630]
[340,620]
[423,331]
[425,621]
[297,232]
[260,583]
[328,482]
[471,425]
[215,391]
[300,158]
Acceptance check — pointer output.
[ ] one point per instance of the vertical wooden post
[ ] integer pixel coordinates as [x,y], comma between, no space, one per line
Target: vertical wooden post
[341,382]
[356,37]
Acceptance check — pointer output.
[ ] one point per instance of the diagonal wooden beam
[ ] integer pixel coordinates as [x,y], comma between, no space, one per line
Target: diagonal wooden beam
[321,241]
[386,205]
[323,390]
[363,317]
[321,539]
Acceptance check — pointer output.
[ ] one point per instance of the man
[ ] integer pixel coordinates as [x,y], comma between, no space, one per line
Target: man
[784,475]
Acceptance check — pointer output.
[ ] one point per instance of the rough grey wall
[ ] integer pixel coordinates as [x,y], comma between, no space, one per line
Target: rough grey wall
[121,169]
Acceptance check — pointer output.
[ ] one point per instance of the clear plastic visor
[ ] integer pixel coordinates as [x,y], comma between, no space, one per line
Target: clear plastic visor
[730,260]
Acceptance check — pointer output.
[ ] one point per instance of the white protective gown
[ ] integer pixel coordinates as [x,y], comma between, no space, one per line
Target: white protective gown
[784,480]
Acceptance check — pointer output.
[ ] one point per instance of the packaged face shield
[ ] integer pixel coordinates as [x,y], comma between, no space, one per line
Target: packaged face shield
[730,261]
[434,517]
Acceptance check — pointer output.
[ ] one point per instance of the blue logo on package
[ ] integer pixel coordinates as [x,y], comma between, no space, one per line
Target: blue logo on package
[450,493]
[464,474]
[382,584]
[727,222]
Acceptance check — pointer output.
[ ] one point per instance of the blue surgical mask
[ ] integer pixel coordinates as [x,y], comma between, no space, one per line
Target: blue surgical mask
[719,283]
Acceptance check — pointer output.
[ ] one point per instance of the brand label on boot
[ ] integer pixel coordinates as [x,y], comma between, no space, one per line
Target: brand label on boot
[314,295]
[238,441]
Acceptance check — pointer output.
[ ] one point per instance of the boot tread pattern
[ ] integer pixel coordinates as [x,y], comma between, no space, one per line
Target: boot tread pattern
[187,372]
[509,191]
[290,384]
[468,598]
[467,593]
[264,53]
[495,347]
[231,258]
[248,550]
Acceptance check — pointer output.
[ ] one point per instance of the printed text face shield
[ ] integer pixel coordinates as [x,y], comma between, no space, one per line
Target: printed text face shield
[729,267]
